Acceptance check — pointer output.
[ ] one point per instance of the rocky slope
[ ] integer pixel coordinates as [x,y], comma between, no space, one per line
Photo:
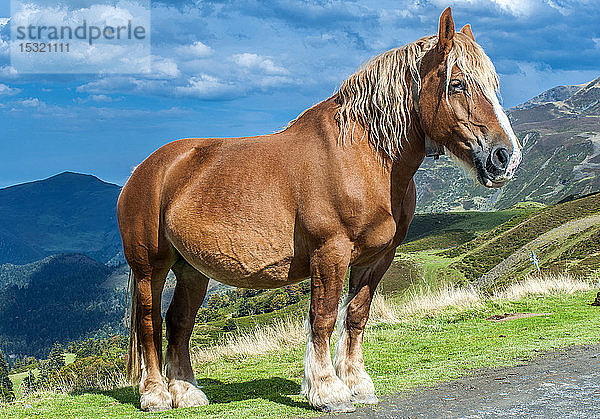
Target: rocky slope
[560,133]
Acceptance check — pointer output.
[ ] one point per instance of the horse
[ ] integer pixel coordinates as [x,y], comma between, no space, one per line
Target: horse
[332,191]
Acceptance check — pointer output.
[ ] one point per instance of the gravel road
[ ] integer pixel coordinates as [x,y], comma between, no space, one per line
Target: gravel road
[564,384]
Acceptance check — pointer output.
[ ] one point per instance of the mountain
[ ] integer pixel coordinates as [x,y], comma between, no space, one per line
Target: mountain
[58,299]
[66,213]
[560,133]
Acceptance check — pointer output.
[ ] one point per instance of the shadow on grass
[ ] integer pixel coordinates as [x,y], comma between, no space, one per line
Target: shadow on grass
[124,395]
[275,389]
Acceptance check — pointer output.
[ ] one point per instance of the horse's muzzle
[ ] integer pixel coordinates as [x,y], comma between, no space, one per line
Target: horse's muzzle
[497,166]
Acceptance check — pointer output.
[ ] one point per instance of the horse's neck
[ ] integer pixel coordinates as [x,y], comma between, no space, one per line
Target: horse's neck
[321,120]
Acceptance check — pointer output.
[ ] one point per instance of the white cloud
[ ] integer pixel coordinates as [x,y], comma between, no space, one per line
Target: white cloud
[101,98]
[98,98]
[8,71]
[4,46]
[6,90]
[164,67]
[516,8]
[205,86]
[255,61]
[194,50]
[32,102]
[596,42]
[93,55]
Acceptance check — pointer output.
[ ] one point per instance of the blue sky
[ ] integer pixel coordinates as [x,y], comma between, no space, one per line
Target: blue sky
[234,68]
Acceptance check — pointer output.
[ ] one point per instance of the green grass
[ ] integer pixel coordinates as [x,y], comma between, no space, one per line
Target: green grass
[18,378]
[420,351]
[482,254]
[446,230]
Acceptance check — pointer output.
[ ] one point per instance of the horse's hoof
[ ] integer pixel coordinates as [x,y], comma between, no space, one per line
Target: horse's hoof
[153,409]
[365,399]
[343,407]
[156,400]
[186,394]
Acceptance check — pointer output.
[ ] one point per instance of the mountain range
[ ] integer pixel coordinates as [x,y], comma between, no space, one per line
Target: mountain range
[59,236]
[560,134]
[66,213]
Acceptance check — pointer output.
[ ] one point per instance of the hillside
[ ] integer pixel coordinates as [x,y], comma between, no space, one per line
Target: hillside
[57,299]
[565,238]
[560,133]
[66,213]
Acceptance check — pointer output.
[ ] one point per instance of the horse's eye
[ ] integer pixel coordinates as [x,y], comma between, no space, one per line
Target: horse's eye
[457,85]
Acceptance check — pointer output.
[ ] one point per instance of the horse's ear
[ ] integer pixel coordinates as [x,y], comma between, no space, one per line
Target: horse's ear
[467,31]
[446,31]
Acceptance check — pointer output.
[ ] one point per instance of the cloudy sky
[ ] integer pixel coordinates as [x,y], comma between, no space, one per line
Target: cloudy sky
[244,67]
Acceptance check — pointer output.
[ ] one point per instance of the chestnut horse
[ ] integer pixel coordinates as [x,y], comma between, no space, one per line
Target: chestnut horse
[334,190]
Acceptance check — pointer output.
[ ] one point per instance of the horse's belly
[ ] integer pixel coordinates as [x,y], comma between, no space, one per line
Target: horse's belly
[241,256]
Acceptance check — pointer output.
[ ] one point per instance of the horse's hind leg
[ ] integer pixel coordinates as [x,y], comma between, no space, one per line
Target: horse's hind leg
[321,386]
[187,299]
[149,282]
[348,360]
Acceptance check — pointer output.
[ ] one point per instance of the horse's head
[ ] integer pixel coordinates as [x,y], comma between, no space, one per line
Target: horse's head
[458,107]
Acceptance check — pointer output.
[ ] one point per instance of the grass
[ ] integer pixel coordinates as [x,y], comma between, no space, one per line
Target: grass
[18,378]
[445,230]
[405,349]
[491,248]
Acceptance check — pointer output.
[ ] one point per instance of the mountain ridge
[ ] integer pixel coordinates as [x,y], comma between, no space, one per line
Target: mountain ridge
[560,133]
[65,213]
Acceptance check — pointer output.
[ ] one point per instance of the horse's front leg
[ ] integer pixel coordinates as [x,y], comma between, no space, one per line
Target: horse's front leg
[321,386]
[349,364]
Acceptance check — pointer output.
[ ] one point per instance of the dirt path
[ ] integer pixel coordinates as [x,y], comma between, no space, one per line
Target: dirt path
[562,384]
[561,232]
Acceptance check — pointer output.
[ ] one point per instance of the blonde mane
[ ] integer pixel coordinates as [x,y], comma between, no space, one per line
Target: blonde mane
[379,95]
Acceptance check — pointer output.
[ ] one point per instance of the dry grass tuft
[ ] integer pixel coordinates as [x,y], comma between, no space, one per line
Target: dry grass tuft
[549,284]
[423,303]
[283,334]
[73,383]
[383,310]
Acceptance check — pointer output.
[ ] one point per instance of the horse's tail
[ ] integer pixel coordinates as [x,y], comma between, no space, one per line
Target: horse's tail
[134,360]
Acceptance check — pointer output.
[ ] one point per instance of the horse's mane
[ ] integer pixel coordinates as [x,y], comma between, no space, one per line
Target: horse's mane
[379,95]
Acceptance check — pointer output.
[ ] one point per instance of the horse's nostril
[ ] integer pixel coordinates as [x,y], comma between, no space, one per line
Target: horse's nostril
[501,158]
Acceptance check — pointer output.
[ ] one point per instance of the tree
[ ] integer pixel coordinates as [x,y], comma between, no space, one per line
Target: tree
[215,302]
[16,365]
[56,359]
[279,300]
[28,383]
[294,292]
[44,377]
[229,325]
[245,308]
[6,388]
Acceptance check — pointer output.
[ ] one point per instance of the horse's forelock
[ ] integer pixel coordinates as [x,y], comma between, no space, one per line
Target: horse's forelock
[476,66]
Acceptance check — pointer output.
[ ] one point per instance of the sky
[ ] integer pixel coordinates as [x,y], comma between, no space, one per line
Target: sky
[236,68]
